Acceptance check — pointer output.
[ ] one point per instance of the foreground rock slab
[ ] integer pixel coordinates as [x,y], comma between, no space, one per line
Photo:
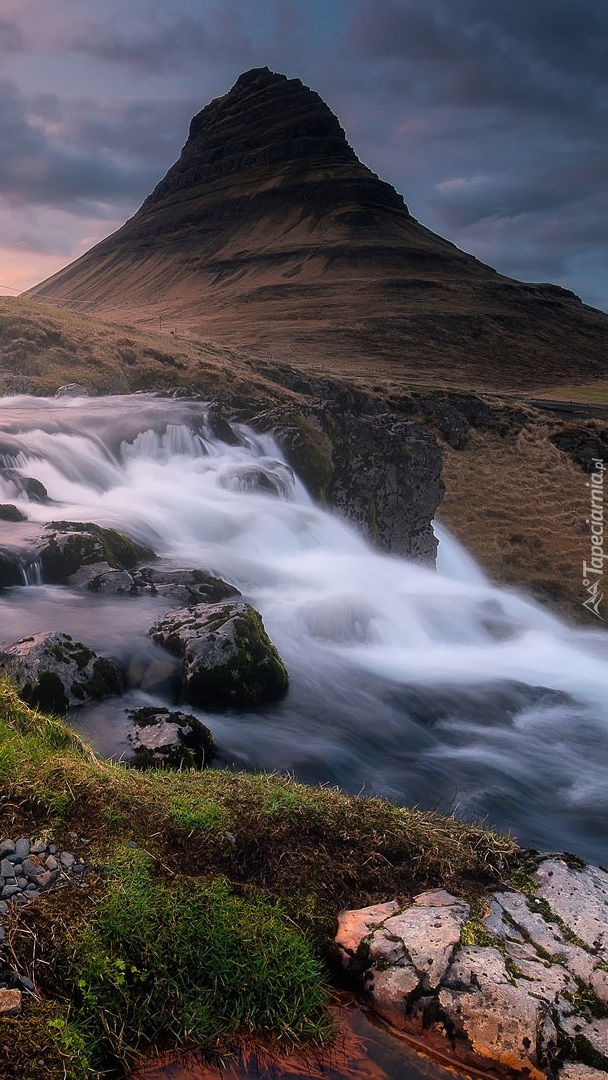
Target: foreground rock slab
[519,985]
[53,672]
[228,658]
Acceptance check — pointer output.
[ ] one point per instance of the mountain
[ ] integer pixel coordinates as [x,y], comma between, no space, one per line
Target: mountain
[268,233]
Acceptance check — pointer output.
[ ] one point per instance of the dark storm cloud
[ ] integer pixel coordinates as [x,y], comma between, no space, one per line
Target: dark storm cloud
[51,170]
[494,116]
[164,43]
[547,56]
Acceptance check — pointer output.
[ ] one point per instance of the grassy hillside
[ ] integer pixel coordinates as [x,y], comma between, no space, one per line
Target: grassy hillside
[210,903]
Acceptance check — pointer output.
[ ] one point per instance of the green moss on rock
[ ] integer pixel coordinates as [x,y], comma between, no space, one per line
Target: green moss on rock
[255,674]
[74,544]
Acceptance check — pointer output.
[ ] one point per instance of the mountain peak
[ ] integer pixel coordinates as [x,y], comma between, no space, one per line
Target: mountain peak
[262,76]
[269,233]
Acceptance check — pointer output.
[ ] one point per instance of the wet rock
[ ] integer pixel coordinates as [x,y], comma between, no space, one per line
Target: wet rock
[532,987]
[160,737]
[72,389]
[26,487]
[10,512]
[53,672]
[68,546]
[227,656]
[187,586]
[380,471]
[389,990]
[106,581]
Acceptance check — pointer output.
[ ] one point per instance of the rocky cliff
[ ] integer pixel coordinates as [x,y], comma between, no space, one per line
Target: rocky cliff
[269,233]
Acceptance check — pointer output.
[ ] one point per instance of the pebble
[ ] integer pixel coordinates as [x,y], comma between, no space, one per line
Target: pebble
[22,848]
[27,868]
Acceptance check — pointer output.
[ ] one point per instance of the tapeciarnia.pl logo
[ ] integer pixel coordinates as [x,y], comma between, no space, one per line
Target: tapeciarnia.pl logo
[593,571]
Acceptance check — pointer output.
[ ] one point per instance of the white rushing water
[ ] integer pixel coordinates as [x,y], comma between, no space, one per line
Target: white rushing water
[429,687]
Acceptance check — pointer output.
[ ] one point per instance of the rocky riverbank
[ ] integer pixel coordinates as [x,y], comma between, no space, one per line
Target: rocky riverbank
[518,981]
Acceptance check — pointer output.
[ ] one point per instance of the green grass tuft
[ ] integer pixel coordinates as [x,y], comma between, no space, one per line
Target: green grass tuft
[189,963]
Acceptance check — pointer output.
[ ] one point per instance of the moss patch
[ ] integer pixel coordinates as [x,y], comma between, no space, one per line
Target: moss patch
[255,674]
[84,543]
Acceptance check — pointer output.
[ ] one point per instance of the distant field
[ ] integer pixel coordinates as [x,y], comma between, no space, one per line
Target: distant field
[594,393]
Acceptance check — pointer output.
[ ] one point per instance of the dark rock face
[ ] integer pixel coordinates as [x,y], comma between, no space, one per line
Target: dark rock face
[171,740]
[228,658]
[53,672]
[299,250]
[586,445]
[379,469]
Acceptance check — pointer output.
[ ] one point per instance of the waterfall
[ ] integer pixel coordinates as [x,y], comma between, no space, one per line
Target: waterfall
[427,687]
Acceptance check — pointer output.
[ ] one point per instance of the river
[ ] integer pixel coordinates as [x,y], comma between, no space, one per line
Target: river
[429,688]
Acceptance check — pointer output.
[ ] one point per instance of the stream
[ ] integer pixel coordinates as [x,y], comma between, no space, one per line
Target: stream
[429,688]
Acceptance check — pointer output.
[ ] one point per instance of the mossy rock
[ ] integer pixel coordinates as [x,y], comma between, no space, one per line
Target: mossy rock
[228,658]
[53,672]
[72,545]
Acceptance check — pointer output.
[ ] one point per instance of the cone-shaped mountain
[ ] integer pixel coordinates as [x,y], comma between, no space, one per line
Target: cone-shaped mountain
[269,233]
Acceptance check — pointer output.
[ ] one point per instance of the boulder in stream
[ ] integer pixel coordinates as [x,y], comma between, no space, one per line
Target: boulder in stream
[227,656]
[53,672]
[167,739]
[68,546]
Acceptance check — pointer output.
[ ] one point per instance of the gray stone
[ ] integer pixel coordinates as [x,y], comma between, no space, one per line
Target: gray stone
[595,1032]
[10,891]
[430,935]
[38,847]
[3,907]
[573,1070]
[47,878]
[498,1019]
[54,672]
[22,847]
[6,868]
[51,862]
[161,738]
[227,656]
[580,899]
[72,389]
[389,990]
[67,860]
[7,847]
[546,937]
[599,984]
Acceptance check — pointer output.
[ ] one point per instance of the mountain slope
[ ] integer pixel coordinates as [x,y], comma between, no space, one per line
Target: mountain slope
[269,233]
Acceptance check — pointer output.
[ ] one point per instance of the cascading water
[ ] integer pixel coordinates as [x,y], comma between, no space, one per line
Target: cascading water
[429,688]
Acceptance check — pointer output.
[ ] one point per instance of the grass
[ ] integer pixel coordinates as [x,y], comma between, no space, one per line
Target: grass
[520,506]
[215,898]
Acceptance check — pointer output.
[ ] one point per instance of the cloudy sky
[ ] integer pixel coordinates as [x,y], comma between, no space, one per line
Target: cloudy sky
[490,116]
